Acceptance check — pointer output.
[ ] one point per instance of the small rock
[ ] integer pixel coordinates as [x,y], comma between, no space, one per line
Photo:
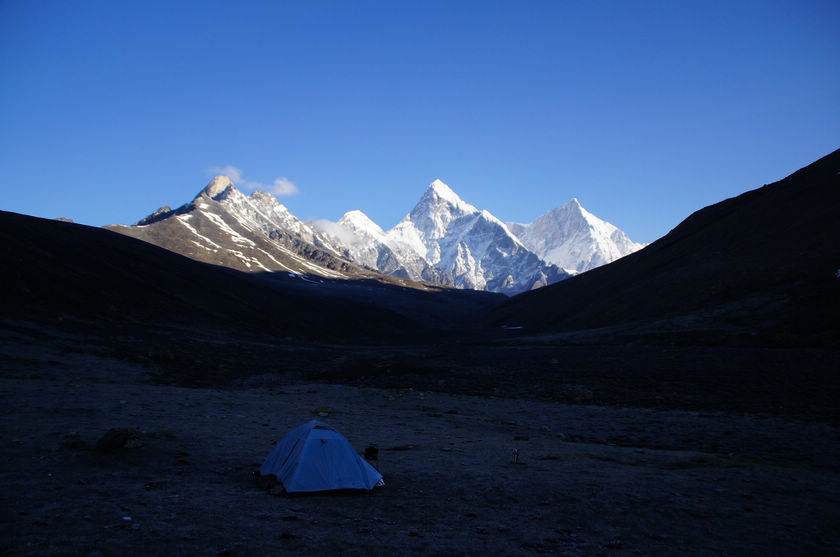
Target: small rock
[277,489]
[115,439]
[72,441]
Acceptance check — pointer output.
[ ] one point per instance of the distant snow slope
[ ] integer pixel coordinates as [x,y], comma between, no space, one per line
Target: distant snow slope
[573,238]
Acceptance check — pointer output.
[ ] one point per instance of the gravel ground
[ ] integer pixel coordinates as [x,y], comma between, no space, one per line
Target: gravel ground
[590,480]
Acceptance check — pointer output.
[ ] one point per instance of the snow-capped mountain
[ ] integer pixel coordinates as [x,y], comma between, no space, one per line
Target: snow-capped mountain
[443,240]
[470,247]
[364,242]
[573,238]
[223,226]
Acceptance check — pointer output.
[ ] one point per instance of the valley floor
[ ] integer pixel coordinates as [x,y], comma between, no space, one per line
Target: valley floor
[590,480]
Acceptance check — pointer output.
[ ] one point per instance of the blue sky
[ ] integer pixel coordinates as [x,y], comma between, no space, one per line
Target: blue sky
[645,111]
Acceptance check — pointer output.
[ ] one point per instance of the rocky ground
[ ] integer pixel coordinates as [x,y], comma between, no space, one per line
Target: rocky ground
[591,479]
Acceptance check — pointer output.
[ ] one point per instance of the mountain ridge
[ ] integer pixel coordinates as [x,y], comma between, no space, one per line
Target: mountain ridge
[438,226]
[221,225]
[470,244]
[443,240]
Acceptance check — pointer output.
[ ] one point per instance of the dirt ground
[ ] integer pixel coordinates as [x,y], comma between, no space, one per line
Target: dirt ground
[590,480]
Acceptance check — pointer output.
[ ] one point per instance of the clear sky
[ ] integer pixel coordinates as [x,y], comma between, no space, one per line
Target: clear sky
[645,111]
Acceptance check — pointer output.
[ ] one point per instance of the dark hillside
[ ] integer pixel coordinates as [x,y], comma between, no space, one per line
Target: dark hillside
[761,265]
[62,270]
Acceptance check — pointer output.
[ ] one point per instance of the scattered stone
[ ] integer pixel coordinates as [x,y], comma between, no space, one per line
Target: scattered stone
[269,483]
[73,441]
[277,490]
[116,439]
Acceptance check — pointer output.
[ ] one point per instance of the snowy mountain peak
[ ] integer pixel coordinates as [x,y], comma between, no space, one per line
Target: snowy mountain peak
[442,190]
[438,193]
[433,214]
[572,209]
[473,247]
[357,220]
[217,186]
[573,238]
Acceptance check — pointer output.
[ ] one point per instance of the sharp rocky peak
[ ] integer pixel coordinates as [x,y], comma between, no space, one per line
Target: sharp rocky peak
[572,209]
[439,189]
[438,194]
[217,186]
[572,206]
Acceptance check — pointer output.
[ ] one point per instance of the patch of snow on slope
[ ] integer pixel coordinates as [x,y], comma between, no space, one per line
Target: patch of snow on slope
[234,235]
[194,231]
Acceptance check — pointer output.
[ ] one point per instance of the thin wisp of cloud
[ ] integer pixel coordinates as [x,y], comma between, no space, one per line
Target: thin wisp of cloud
[281,186]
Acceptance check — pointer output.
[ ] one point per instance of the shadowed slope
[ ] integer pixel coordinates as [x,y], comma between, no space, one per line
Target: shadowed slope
[57,270]
[762,262]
